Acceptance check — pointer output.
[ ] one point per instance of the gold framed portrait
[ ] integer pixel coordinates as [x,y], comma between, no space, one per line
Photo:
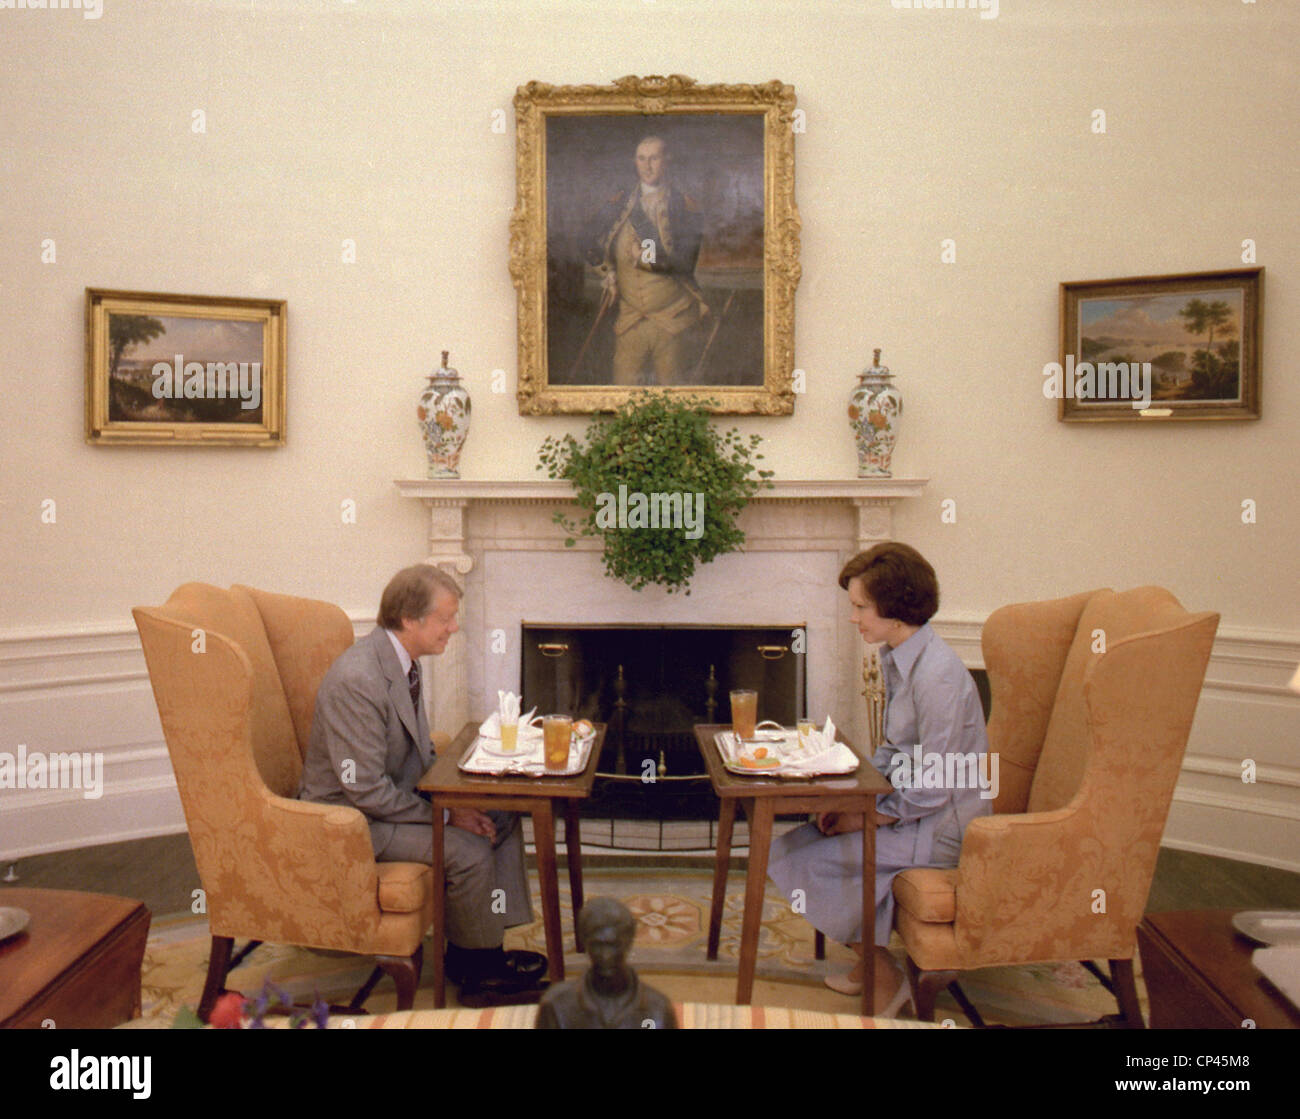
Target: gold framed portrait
[655,243]
[184,370]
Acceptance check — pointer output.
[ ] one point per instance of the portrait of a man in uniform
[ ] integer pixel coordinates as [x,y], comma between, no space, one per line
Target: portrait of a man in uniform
[655,250]
[646,252]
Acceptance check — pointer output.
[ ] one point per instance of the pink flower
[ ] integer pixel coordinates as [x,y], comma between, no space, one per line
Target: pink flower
[229,1011]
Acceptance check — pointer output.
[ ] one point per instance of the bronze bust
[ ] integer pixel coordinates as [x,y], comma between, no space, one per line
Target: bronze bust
[609,996]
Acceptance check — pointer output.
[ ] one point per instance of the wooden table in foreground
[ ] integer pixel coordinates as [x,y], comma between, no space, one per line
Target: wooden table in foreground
[1198,975]
[448,787]
[77,964]
[763,798]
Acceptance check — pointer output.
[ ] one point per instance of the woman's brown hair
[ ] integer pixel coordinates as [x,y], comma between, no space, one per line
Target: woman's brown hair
[898,579]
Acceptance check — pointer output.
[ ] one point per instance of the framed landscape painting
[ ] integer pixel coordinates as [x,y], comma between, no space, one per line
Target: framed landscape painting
[179,370]
[655,243]
[1182,347]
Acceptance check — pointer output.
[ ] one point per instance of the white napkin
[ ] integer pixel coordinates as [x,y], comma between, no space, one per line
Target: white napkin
[822,754]
[528,728]
[1281,965]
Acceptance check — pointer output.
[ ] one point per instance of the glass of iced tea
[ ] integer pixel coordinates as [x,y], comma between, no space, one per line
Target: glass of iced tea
[744,712]
[557,732]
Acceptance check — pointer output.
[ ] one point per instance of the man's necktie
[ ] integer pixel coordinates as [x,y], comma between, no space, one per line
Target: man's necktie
[413,680]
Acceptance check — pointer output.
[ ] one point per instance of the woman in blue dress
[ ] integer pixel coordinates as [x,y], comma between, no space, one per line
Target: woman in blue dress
[931,701]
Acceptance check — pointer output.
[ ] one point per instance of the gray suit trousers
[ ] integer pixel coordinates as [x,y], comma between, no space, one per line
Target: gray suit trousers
[487,889]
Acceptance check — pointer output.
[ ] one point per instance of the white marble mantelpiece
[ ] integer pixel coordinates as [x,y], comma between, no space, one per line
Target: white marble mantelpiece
[500,540]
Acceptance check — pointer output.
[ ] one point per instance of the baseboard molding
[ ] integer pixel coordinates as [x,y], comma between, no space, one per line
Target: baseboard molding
[63,821]
[1265,859]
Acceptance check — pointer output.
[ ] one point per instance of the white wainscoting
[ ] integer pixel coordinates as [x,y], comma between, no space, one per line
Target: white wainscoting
[89,691]
[86,691]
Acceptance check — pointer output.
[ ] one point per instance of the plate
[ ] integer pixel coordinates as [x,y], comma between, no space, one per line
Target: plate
[1271,926]
[12,922]
[522,749]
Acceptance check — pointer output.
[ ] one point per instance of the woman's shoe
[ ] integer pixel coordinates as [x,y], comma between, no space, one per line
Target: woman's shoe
[850,983]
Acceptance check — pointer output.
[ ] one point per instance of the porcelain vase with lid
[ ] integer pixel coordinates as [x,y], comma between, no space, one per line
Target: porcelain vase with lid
[444,420]
[875,406]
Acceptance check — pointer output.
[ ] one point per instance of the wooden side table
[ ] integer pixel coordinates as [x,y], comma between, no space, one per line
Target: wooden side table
[77,963]
[1199,976]
[762,798]
[448,787]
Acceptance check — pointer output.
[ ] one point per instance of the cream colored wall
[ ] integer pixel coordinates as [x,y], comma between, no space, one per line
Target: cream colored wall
[328,120]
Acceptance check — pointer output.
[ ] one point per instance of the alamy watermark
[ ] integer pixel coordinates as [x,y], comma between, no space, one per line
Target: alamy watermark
[86,1072]
[218,380]
[1106,382]
[35,769]
[681,511]
[931,769]
[988,9]
[90,9]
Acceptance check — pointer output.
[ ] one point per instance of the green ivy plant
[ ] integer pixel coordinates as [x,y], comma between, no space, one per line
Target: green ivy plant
[657,444]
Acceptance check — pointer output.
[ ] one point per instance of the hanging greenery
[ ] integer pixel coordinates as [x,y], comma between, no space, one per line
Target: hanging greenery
[660,484]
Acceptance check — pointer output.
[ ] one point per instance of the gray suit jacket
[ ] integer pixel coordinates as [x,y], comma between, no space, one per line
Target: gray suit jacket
[369,746]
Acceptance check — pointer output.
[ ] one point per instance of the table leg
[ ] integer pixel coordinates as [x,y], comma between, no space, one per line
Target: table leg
[760,840]
[544,842]
[726,819]
[869,917]
[439,911]
[573,847]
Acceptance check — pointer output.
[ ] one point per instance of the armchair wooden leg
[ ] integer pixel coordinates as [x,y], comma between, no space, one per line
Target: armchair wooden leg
[218,966]
[926,986]
[405,972]
[1125,991]
[357,1005]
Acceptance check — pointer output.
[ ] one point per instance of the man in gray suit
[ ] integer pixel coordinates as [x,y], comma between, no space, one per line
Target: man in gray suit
[370,745]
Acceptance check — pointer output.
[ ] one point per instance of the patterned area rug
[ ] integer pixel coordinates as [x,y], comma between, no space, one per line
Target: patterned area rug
[672,911]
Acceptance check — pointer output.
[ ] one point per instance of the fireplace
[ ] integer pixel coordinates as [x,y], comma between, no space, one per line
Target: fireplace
[499,540]
[651,685]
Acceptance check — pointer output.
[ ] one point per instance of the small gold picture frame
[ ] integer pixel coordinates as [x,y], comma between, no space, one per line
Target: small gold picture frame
[184,370]
[655,243]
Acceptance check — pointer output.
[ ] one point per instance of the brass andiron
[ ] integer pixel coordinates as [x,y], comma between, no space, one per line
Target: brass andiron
[874,679]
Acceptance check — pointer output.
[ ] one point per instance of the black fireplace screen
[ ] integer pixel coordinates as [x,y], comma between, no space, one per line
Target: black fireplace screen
[651,685]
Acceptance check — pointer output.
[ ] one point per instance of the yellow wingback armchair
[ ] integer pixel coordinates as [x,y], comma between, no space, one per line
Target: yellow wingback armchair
[1093,699]
[235,674]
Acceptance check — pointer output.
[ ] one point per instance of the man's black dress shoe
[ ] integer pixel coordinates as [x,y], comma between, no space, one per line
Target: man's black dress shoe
[471,966]
[494,971]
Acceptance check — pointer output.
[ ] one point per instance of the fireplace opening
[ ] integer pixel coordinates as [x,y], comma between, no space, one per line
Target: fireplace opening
[651,685]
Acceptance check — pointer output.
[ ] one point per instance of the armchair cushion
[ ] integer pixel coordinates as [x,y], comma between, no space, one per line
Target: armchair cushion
[403,887]
[928,893]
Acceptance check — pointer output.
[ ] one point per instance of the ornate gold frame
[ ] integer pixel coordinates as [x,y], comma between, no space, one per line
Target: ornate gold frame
[101,428]
[534,103]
